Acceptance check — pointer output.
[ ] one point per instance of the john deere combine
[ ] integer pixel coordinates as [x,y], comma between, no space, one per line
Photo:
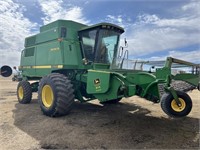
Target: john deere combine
[68,60]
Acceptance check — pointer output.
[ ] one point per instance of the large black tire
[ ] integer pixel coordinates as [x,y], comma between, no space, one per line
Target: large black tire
[114,101]
[55,95]
[170,107]
[24,92]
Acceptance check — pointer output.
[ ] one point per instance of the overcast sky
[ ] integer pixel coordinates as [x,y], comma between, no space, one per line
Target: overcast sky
[154,29]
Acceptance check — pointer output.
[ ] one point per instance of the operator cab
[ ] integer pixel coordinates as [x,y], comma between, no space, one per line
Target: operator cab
[99,43]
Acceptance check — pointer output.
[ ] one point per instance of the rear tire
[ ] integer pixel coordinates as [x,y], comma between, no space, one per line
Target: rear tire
[169,106]
[55,95]
[24,92]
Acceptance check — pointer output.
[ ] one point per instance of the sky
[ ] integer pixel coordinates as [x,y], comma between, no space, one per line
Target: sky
[154,29]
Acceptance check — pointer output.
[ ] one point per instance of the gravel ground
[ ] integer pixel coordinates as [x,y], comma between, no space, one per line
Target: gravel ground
[134,123]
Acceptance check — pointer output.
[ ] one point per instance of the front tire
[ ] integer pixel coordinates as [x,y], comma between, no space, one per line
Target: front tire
[55,95]
[24,92]
[169,106]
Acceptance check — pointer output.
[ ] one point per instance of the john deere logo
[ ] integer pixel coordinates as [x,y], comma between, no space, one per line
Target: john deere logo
[96,81]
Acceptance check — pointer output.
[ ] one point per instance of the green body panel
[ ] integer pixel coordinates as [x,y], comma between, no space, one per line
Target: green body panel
[70,50]
[117,89]
[99,66]
[30,60]
[30,41]
[112,93]
[49,52]
[162,73]
[142,78]
[72,27]
[98,82]
[48,35]
[131,90]
[147,83]
[105,85]
[190,78]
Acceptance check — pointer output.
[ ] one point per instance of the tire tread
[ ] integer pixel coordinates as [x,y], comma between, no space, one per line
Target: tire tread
[64,94]
[27,92]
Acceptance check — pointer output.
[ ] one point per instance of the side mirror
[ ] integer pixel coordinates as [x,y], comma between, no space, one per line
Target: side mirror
[5,71]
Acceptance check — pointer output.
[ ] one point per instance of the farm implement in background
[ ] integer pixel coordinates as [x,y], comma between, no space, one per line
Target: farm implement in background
[5,71]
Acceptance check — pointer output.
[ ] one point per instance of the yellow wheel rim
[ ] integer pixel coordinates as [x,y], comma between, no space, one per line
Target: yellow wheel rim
[47,96]
[176,108]
[20,93]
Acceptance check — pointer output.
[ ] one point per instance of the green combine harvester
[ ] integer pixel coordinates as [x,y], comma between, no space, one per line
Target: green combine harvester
[68,61]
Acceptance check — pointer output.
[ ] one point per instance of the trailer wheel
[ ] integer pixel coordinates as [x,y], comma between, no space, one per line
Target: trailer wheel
[114,101]
[24,92]
[169,106]
[55,95]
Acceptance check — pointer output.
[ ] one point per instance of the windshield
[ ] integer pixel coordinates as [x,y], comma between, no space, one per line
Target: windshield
[100,45]
[106,46]
[88,39]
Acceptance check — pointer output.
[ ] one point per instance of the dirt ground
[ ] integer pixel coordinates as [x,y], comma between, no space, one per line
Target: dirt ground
[134,123]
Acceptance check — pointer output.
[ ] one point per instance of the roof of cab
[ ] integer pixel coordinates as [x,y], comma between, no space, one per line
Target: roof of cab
[103,24]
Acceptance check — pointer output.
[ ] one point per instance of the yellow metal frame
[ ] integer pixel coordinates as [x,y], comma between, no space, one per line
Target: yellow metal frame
[177,108]
[41,67]
[21,93]
[47,96]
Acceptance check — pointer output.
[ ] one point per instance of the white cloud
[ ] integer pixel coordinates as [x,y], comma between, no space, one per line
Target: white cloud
[14,27]
[152,33]
[120,20]
[183,22]
[11,58]
[112,18]
[154,39]
[193,6]
[188,56]
[55,9]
